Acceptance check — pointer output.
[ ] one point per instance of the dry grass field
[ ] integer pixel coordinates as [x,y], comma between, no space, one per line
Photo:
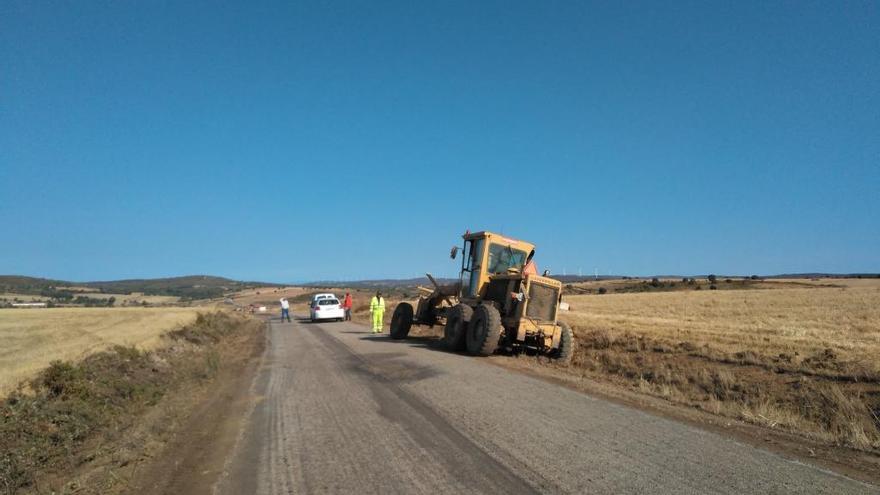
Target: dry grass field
[31,338]
[800,359]
[269,296]
[133,299]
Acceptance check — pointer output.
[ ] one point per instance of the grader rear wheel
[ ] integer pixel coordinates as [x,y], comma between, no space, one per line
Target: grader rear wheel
[484,331]
[456,327]
[401,321]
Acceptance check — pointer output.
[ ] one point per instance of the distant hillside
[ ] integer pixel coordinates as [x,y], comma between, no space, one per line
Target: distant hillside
[825,275]
[188,287]
[28,285]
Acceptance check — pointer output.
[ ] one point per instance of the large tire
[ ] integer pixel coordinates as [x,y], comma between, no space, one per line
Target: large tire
[456,327]
[563,353]
[484,331]
[401,321]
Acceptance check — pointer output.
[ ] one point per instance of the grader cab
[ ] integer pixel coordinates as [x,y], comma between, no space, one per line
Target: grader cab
[497,302]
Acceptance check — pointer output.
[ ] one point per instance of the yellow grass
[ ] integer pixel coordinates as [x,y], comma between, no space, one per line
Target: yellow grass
[770,321]
[31,338]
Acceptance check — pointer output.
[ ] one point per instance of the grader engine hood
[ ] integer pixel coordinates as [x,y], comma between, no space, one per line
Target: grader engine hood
[542,298]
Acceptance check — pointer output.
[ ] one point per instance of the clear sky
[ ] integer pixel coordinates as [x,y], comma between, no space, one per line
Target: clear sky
[297,141]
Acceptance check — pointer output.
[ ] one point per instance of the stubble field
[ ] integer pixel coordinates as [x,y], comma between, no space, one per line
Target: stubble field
[799,359]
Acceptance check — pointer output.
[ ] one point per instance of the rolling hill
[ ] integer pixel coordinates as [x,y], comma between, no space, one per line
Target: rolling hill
[187,287]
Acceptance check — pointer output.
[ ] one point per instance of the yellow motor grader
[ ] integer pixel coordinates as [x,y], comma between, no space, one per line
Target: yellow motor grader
[497,302]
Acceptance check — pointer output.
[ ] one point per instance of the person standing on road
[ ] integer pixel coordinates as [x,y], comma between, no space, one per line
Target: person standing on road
[346,305]
[285,309]
[377,311]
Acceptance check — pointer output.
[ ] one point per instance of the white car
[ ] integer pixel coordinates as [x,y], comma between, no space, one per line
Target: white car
[327,309]
[317,297]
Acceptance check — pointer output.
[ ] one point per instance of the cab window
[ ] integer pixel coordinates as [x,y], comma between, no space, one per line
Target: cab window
[503,258]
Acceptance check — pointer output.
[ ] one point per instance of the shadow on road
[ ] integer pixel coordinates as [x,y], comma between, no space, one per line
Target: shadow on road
[430,343]
[436,344]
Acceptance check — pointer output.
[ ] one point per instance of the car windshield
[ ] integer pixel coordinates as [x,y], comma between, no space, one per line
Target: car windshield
[328,302]
[503,257]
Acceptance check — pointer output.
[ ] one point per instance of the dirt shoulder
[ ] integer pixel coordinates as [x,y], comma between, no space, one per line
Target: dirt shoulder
[193,456]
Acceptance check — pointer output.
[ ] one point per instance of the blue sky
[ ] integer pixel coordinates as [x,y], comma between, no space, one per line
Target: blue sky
[343,140]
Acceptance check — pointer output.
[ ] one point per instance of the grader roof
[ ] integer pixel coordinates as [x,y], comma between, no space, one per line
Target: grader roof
[498,238]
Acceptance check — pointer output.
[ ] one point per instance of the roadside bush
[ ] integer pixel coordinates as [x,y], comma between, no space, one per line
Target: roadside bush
[602,290]
[655,282]
[69,405]
[713,287]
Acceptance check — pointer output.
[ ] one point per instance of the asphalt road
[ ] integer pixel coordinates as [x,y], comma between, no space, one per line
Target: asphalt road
[341,411]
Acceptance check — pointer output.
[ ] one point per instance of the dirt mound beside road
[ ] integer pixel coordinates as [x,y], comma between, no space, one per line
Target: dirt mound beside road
[85,427]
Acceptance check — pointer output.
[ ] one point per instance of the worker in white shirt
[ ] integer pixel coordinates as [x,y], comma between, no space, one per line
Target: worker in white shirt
[285,309]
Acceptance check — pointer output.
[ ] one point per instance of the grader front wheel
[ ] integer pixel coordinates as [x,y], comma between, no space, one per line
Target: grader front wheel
[484,331]
[401,321]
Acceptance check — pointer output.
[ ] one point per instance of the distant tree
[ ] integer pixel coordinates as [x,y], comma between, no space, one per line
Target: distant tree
[754,277]
[713,287]
[684,280]
[727,281]
[712,279]
[111,301]
[655,282]
[602,290]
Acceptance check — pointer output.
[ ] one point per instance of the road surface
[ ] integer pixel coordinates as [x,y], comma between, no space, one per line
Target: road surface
[341,411]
